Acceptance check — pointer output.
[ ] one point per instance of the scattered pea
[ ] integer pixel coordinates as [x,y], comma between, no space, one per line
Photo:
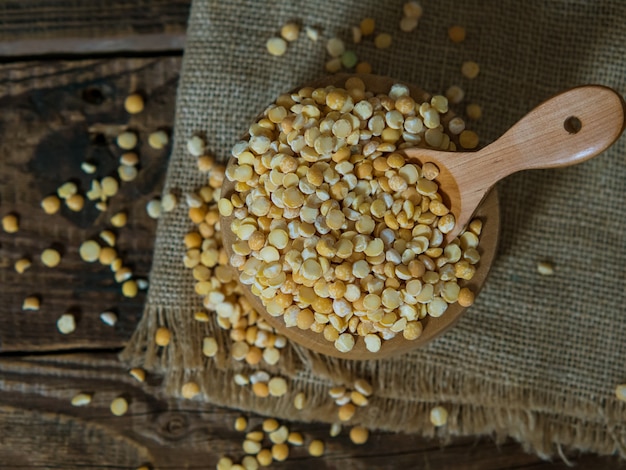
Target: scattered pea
[225,463]
[299,401]
[455,94]
[158,140]
[108,237]
[119,406]
[66,324]
[276,46]
[196,146]
[209,346]
[119,220]
[290,32]
[295,439]
[382,41]
[408,24]
[129,159]
[333,65]
[31,303]
[470,69]
[264,457]
[363,67]
[81,399]
[190,390]
[316,448]
[162,336]
[473,111]
[545,268]
[154,208]
[133,104]
[67,189]
[241,423]
[88,167]
[335,47]
[280,452]
[129,288]
[413,9]
[109,186]
[108,318]
[349,59]
[127,173]
[89,251]
[51,204]
[50,257]
[438,416]
[456,33]
[22,265]
[138,374]
[127,140]
[312,33]
[359,435]
[468,139]
[367,25]
[10,223]
[169,202]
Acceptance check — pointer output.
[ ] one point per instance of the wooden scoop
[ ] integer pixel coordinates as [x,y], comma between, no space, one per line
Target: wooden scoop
[569,128]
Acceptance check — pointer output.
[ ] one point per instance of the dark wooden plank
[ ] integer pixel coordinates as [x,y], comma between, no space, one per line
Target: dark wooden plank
[41,429]
[39,27]
[55,116]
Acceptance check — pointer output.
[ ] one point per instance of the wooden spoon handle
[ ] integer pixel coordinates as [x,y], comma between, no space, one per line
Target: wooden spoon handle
[569,128]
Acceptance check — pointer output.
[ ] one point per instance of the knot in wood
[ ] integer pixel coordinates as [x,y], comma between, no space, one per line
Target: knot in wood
[173,425]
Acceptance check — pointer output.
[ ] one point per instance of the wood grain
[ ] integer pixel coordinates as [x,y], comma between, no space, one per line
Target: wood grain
[40,27]
[55,116]
[41,429]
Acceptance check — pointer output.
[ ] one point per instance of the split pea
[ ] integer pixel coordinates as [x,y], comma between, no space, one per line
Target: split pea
[89,251]
[22,265]
[359,435]
[133,104]
[276,46]
[290,32]
[50,257]
[127,140]
[470,69]
[66,324]
[162,336]
[31,303]
[51,204]
[119,406]
[316,448]
[456,33]
[158,140]
[438,416]
[382,41]
[10,223]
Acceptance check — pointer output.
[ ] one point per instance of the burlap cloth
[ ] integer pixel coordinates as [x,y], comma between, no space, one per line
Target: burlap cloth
[537,357]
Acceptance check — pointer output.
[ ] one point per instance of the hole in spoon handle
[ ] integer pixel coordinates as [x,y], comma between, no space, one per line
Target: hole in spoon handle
[568,128]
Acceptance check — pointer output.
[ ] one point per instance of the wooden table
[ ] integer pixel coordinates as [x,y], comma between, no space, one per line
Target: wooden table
[62,103]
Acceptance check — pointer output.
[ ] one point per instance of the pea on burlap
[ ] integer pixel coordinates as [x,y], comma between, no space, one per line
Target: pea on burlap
[537,357]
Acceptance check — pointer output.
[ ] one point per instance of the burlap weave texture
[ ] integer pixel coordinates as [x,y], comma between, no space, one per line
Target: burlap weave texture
[536,358]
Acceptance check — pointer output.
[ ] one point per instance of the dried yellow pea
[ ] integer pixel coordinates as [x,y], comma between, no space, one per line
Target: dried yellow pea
[10,223]
[134,104]
[119,406]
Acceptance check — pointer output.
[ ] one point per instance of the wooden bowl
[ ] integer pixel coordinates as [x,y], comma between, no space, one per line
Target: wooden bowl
[488,213]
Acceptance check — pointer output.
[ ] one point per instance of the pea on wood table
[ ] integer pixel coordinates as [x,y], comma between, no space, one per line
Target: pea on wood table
[67,68]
